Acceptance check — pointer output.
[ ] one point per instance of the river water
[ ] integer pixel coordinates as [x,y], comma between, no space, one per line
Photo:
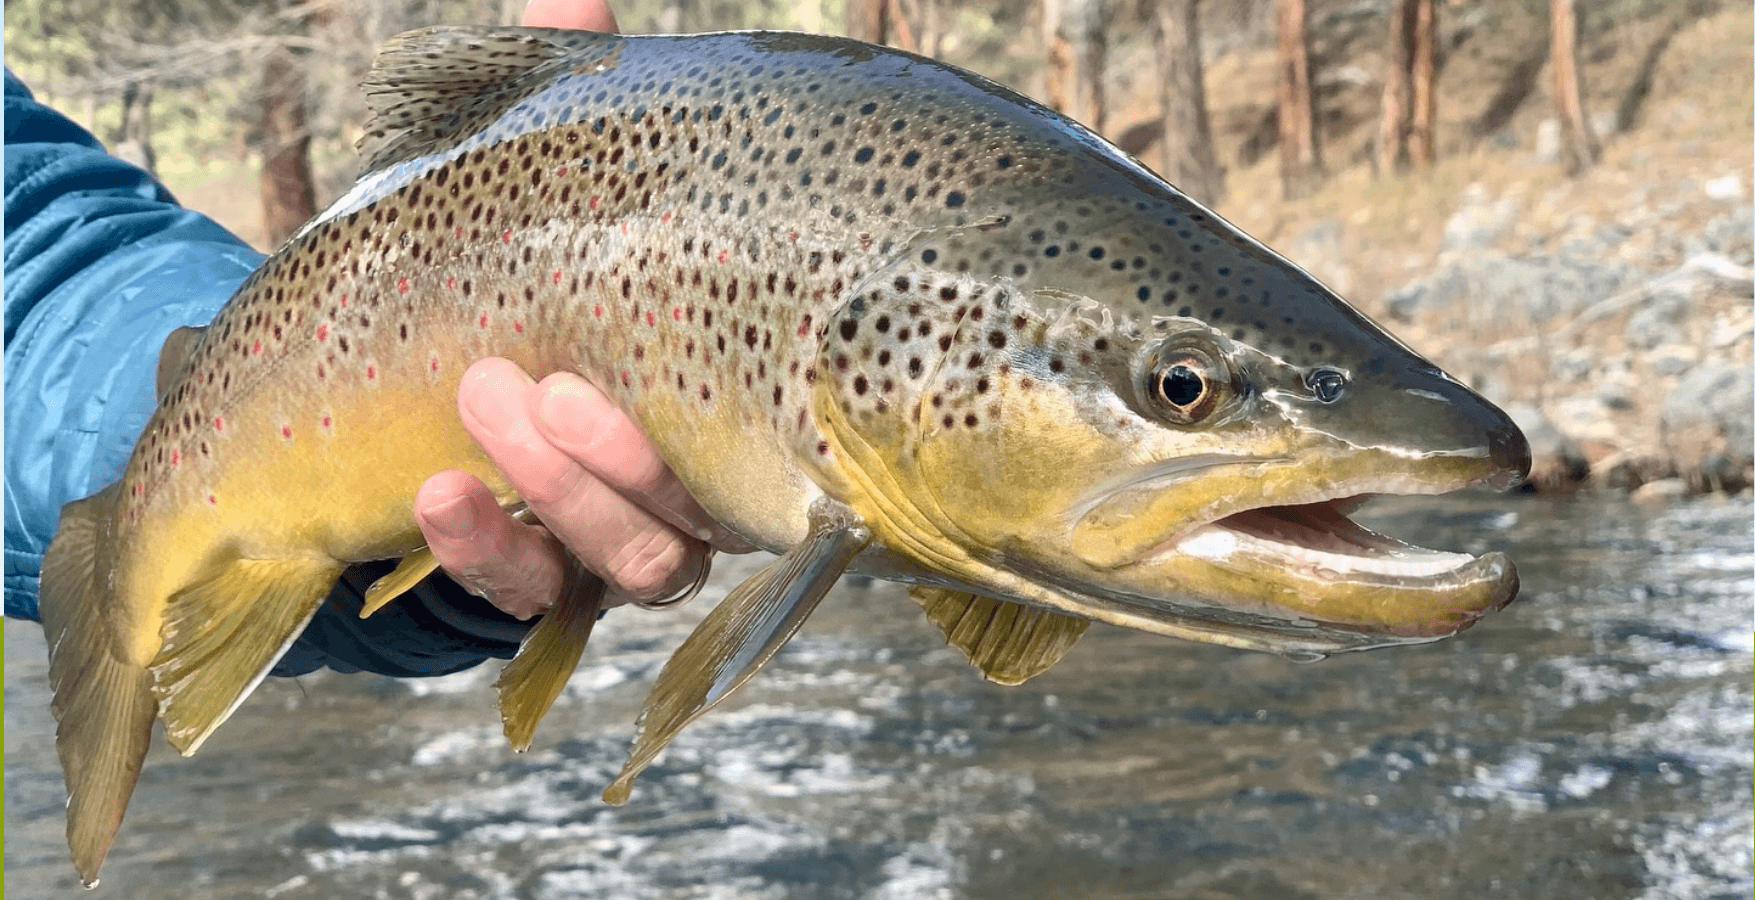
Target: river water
[1594,740]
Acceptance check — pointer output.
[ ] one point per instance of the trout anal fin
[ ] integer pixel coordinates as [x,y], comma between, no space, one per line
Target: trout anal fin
[740,635]
[529,684]
[223,633]
[103,705]
[1009,642]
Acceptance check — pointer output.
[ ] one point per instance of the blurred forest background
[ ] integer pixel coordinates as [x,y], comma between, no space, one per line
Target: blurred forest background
[1550,197]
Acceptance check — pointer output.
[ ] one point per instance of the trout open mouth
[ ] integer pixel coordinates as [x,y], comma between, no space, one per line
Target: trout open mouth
[1320,538]
[1312,562]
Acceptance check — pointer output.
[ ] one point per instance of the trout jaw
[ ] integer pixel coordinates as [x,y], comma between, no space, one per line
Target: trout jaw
[1309,564]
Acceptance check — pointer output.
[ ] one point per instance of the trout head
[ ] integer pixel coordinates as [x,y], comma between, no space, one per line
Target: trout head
[1135,434]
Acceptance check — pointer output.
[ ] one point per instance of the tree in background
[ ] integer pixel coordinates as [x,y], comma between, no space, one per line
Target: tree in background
[1076,34]
[1582,149]
[880,22]
[1188,159]
[289,192]
[1300,159]
[1406,134]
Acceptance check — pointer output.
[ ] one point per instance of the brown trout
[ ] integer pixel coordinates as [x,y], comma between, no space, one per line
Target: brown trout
[880,315]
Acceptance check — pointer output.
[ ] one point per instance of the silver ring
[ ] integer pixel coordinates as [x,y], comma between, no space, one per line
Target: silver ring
[686,594]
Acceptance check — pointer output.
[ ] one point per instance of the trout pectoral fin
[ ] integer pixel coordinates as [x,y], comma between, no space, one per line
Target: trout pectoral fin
[224,632]
[179,345]
[533,679]
[415,565]
[103,705]
[739,636]
[1009,642]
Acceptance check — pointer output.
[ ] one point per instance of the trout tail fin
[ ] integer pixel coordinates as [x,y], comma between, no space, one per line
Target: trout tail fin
[103,704]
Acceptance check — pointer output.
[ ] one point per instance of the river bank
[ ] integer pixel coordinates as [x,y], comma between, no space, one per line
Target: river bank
[1610,312]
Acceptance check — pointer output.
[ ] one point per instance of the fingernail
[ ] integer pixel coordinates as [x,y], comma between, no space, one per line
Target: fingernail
[496,408]
[454,519]
[566,414]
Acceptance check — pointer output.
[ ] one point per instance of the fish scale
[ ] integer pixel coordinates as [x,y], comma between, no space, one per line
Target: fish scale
[876,313]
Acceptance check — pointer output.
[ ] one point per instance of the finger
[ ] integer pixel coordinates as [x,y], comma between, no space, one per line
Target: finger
[517,567]
[631,548]
[583,423]
[590,15]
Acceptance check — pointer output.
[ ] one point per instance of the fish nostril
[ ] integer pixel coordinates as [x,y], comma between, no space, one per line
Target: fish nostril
[1510,452]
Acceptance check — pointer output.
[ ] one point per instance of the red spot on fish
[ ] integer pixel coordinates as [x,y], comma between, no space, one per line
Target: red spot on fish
[482,322]
[723,256]
[651,319]
[176,457]
[557,276]
[435,364]
[371,373]
[506,236]
[518,327]
[460,231]
[344,300]
[664,219]
[286,431]
[327,422]
[676,313]
[451,283]
[597,311]
[257,348]
[594,200]
[322,332]
[212,500]
[795,237]
[561,170]
[626,378]
[218,423]
[624,226]
[402,285]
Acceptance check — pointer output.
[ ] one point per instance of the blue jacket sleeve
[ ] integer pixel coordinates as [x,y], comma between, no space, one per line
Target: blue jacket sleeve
[100,264]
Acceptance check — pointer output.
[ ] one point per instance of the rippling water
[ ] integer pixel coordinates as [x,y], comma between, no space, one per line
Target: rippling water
[1594,740]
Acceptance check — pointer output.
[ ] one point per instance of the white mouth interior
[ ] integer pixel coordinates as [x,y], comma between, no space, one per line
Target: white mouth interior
[1318,539]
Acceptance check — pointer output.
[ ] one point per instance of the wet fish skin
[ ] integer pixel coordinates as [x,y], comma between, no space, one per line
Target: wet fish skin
[935,320]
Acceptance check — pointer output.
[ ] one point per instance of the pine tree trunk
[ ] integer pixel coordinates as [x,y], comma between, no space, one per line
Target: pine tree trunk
[288,192]
[1398,91]
[1188,161]
[1582,148]
[134,140]
[1078,52]
[866,20]
[1423,122]
[1300,161]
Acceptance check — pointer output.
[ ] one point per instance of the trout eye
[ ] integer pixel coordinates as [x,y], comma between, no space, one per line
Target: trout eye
[1187,387]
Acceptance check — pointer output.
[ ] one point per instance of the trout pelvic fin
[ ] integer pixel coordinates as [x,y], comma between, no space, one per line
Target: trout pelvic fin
[415,565]
[1009,642]
[431,88]
[740,635]
[224,632]
[103,705]
[529,684]
[179,345]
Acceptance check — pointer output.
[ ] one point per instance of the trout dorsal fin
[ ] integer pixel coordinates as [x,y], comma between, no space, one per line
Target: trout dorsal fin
[429,89]
[179,345]
[1009,642]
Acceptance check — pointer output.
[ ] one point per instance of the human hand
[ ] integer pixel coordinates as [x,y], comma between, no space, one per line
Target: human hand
[599,489]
